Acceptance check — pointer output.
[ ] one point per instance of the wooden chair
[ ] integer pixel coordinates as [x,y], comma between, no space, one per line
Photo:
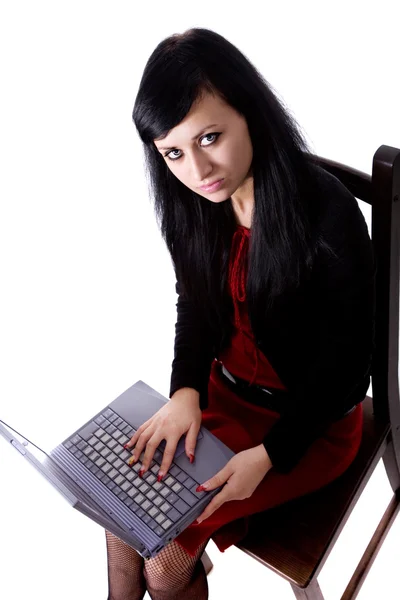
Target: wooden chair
[295,539]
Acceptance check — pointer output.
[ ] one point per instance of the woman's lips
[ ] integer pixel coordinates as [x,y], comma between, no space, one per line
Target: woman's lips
[213,187]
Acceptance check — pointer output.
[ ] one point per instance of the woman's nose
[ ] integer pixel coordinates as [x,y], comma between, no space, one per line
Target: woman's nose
[201,168]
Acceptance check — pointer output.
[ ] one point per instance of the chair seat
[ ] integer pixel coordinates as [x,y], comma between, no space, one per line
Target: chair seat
[294,539]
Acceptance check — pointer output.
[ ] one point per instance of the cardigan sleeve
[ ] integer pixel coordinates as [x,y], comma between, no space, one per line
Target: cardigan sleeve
[193,350]
[333,357]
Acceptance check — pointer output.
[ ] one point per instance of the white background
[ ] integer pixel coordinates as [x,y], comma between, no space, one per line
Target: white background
[87,288]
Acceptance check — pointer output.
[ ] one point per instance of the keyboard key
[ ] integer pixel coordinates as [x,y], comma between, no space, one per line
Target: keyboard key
[125,455]
[126,486]
[108,413]
[169,481]
[112,458]
[100,461]
[144,487]
[167,524]
[151,494]
[165,507]
[68,445]
[88,450]
[118,463]
[118,480]
[158,500]
[76,439]
[175,470]
[100,432]
[93,440]
[159,530]
[154,469]
[73,449]
[106,468]
[173,515]
[124,439]
[153,524]
[172,498]
[79,454]
[182,506]
[188,497]
[119,449]
[153,512]
[128,431]
[131,475]
[113,473]
[113,418]
[158,485]
[146,505]
[99,446]
[189,483]
[128,502]
[146,518]
[150,479]
[176,487]
[111,485]
[105,452]
[165,491]
[105,479]
[99,420]
[139,498]
[123,496]
[118,421]
[182,477]
[81,445]
[118,434]
[160,518]
[112,443]
[105,438]
[84,459]
[125,469]
[110,429]
[140,513]
[132,492]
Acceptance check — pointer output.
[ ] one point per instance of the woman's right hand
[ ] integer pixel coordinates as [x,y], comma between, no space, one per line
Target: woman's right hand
[180,415]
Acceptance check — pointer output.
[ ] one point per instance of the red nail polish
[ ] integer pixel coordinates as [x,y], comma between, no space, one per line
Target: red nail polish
[200,488]
[159,477]
[126,446]
[191,458]
[141,472]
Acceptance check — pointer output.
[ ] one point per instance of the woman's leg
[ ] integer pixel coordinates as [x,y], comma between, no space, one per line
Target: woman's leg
[125,571]
[173,574]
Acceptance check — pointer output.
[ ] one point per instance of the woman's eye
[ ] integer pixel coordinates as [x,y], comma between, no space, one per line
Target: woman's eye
[213,136]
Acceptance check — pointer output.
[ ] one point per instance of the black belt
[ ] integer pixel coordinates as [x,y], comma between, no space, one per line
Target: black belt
[271,398]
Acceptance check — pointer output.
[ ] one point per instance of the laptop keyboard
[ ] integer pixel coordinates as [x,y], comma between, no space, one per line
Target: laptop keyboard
[99,446]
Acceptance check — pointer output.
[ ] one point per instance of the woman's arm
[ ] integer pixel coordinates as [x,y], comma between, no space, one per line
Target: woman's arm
[193,351]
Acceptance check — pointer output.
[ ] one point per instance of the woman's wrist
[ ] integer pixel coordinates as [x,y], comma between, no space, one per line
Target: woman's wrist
[186,393]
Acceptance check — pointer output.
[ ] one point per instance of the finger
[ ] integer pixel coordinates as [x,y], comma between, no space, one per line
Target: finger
[141,443]
[219,479]
[191,441]
[168,457]
[138,433]
[151,447]
[215,503]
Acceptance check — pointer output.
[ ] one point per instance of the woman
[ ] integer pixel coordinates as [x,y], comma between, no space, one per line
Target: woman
[275,277]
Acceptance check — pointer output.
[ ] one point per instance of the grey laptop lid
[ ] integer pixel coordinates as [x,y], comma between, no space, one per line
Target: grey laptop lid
[88,496]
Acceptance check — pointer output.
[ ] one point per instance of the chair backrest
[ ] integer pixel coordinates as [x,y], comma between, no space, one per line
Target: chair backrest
[382,192]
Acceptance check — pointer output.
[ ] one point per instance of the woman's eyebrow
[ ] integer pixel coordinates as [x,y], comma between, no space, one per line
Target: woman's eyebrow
[193,138]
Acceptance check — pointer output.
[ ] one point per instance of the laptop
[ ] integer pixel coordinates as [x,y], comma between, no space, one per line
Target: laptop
[89,468]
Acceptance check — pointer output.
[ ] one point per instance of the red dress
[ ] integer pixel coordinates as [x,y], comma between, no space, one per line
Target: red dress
[242,425]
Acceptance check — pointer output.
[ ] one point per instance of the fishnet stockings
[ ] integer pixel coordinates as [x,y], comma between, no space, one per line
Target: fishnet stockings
[171,575]
[125,570]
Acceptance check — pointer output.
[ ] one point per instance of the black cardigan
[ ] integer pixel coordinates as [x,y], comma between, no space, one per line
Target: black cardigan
[319,340]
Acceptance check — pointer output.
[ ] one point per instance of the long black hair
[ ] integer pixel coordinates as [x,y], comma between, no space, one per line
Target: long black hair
[198,232]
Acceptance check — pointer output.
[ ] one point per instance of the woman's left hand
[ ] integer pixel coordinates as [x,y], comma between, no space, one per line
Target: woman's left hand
[242,474]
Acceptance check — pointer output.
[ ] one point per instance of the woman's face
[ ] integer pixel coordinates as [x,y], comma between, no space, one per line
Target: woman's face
[211,143]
